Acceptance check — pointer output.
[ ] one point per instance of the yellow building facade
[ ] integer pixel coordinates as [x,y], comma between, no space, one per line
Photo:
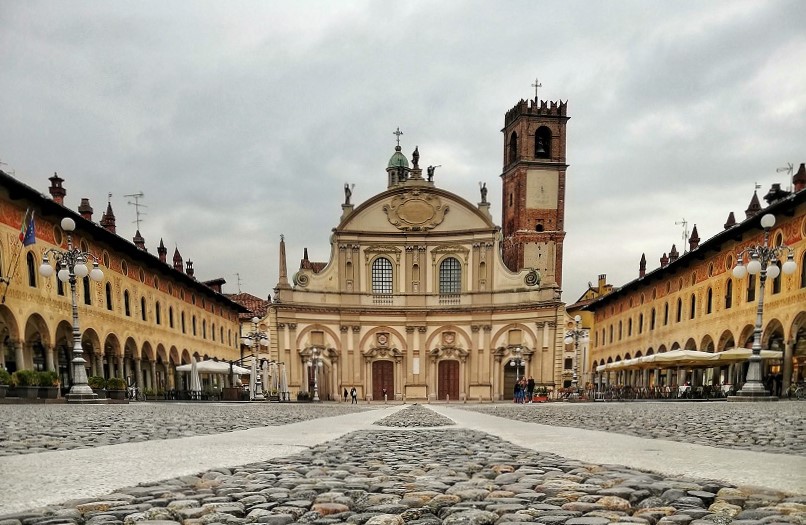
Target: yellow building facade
[144,318]
[693,302]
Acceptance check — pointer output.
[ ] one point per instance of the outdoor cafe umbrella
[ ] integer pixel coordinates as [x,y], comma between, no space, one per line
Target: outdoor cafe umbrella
[734,355]
[195,380]
[283,381]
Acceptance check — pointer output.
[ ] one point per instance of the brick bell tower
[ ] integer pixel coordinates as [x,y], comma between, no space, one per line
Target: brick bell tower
[534,187]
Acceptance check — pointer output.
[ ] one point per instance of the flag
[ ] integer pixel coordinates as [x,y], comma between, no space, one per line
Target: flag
[27,234]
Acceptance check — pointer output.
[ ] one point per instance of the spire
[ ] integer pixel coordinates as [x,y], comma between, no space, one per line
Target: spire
[642,266]
[664,260]
[177,260]
[673,254]
[799,180]
[283,283]
[754,207]
[731,222]
[108,218]
[694,240]
[56,190]
[139,241]
[85,209]
[162,251]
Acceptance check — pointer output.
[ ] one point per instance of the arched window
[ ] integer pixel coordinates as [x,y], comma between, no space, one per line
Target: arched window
[85,284]
[450,276]
[182,316]
[59,286]
[803,270]
[513,147]
[31,269]
[665,314]
[709,301]
[640,323]
[157,313]
[143,308]
[776,283]
[212,331]
[382,276]
[652,320]
[126,308]
[693,306]
[611,333]
[751,288]
[109,296]
[204,329]
[729,294]
[679,310]
[171,316]
[222,335]
[193,324]
[543,143]
[629,327]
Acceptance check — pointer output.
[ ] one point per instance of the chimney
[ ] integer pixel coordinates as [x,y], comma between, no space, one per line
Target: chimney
[664,261]
[799,180]
[673,254]
[731,222]
[775,194]
[602,284]
[56,189]
[642,266]
[85,209]
[139,241]
[694,240]
[754,206]
[189,269]
[162,251]
[177,260]
[108,218]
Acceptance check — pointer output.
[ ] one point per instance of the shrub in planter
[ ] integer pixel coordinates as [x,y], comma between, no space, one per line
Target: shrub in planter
[303,397]
[116,388]
[150,393]
[5,381]
[48,383]
[27,383]
[96,382]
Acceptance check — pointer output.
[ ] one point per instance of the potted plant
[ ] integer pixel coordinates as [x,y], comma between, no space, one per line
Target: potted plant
[541,395]
[303,397]
[27,383]
[150,394]
[274,395]
[48,384]
[98,385]
[5,382]
[116,388]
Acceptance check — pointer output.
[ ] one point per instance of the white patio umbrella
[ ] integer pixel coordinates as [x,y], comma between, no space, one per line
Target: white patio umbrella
[283,381]
[275,376]
[252,379]
[265,377]
[195,380]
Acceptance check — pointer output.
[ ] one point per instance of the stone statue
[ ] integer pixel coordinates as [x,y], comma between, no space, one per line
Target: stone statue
[415,158]
[430,171]
[483,189]
[348,192]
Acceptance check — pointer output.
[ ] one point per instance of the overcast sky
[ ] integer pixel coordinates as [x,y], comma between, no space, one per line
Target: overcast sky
[241,121]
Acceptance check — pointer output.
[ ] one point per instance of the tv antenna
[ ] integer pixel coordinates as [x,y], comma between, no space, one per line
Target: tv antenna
[238,276]
[684,223]
[137,205]
[789,170]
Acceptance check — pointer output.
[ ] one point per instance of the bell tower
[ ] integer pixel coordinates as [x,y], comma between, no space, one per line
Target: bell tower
[533,179]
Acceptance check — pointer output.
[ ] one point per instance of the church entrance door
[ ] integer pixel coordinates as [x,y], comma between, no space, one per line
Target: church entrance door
[509,379]
[383,378]
[448,386]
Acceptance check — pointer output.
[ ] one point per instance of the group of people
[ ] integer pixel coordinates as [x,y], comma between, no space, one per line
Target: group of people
[353,395]
[524,390]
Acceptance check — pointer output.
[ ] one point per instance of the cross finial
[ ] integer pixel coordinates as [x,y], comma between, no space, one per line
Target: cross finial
[398,133]
[536,85]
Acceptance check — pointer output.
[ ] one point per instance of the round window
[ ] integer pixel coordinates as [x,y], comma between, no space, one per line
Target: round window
[124,268]
[142,276]
[58,235]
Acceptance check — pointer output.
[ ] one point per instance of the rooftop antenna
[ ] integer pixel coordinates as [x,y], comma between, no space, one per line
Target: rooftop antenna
[790,171]
[238,276]
[684,223]
[137,196]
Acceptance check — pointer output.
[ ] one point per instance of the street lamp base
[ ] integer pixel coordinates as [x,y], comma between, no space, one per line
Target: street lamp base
[86,399]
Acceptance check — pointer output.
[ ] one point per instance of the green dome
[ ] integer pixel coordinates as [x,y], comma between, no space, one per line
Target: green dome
[398,159]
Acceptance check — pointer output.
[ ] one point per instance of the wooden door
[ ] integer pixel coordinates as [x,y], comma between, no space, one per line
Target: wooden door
[383,378]
[448,384]
[509,379]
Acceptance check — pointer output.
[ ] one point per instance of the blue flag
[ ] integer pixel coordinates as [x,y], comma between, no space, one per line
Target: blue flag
[27,231]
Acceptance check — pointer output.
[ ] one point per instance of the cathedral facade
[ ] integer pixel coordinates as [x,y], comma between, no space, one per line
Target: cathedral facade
[424,297]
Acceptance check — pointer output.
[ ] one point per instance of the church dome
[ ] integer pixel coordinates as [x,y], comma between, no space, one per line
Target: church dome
[398,159]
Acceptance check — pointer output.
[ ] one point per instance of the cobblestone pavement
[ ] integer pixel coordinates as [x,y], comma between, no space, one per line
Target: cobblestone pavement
[778,427]
[27,429]
[415,416]
[448,476]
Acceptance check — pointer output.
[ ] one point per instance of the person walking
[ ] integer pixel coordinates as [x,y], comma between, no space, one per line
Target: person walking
[354,396]
[530,389]
[345,394]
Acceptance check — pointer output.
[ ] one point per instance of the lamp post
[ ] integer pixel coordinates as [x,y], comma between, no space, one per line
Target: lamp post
[72,264]
[575,335]
[516,361]
[256,339]
[763,261]
[316,362]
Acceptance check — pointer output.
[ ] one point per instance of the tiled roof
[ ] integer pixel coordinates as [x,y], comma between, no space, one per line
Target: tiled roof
[256,306]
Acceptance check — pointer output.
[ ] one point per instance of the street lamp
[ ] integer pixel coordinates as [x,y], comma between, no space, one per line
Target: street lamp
[516,361]
[316,362]
[255,340]
[574,335]
[72,264]
[763,261]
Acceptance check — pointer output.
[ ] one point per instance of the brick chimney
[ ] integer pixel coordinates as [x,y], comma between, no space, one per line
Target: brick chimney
[673,254]
[56,190]
[664,260]
[799,180]
[85,209]
[602,283]
[108,218]
[139,241]
[189,270]
[162,251]
[694,240]
[642,266]
[731,222]
[178,261]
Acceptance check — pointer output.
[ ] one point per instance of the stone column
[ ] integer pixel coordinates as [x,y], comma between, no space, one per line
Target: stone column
[19,354]
[789,348]
[49,364]
[153,365]
[138,373]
